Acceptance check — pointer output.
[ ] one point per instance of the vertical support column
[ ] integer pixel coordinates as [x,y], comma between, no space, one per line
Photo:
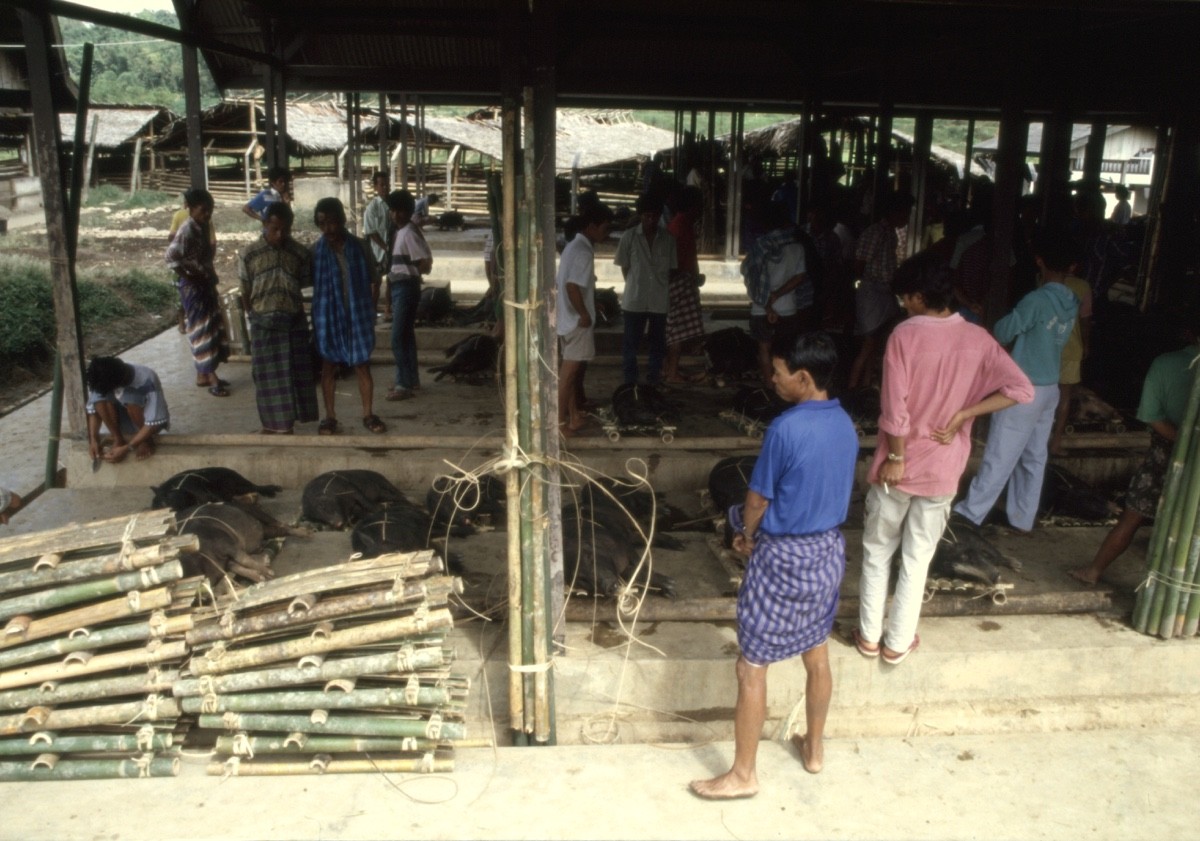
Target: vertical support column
[1150,246]
[1093,155]
[197,163]
[1054,169]
[733,192]
[47,149]
[383,133]
[281,135]
[1174,251]
[404,141]
[969,154]
[803,168]
[883,153]
[1010,160]
[922,142]
[268,118]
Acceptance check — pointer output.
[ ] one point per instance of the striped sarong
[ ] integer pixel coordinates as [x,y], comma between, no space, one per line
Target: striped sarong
[281,363]
[205,325]
[683,310]
[789,595]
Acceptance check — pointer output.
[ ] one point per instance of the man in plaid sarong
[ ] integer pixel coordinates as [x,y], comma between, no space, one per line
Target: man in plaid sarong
[798,496]
[272,271]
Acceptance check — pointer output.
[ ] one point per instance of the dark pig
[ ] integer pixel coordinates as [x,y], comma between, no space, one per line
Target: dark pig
[642,405]
[758,404]
[231,542]
[404,528]
[729,480]
[466,505]
[731,353]
[608,306]
[207,484]
[476,354]
[1066,495]
[435,305]
[966,554]
[341,498]
[451,220]
[598,554]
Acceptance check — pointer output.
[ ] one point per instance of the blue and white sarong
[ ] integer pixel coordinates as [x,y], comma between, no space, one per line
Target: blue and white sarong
[789,595]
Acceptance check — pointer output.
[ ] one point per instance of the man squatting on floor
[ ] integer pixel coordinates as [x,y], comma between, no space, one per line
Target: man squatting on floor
[127,399]
[799,494]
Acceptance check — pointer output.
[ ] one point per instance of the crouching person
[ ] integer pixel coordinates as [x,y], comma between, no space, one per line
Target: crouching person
[128,400]
[798,496]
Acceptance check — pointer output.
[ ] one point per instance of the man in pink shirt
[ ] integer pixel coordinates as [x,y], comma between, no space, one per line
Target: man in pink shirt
[939,373]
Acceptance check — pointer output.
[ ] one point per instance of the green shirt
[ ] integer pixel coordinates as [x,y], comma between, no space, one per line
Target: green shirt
[1168,386]
[273,277]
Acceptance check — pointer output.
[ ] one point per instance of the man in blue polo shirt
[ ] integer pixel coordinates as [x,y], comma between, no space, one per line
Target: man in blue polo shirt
[799,494]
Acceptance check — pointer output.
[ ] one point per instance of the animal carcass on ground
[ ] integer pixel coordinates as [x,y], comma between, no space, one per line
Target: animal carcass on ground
[731,353]
[207,484]
[471,357]
[341,498]
[231,541]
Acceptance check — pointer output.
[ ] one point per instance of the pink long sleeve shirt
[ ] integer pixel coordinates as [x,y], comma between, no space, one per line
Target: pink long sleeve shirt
[932,368]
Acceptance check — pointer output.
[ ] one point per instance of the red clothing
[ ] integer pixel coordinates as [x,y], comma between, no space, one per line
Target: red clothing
[683,227]
[932,368]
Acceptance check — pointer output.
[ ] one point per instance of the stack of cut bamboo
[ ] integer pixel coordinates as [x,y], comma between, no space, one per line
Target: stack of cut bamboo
[1168,603]
[337,670]
[92,641]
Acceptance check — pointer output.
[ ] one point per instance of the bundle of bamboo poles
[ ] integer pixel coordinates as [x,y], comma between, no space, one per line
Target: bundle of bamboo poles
[92,642]
[337,670]
[1168,602]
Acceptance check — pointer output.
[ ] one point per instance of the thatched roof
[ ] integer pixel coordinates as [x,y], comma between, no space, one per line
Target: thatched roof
[118,126]
[596,138]
[314,128]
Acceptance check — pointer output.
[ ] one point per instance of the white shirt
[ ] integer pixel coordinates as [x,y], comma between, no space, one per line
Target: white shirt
[790,264]
[409,248]
[375,221]
[576,266]
[647,269]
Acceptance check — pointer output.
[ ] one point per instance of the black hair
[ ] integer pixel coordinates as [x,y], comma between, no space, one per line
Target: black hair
[105,373]
[277,172]
[927,275]
[596,213]
[401,200]
[1056,249]
[1121,191]
[648,203]
[280,210]
[380,173]
[813,352]
[331,207]
[198,197]
[433,198]
[894,201]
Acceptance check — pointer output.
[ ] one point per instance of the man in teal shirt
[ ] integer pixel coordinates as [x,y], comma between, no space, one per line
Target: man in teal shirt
[1164,401]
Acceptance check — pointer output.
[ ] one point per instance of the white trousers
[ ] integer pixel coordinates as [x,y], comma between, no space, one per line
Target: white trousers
[914,524]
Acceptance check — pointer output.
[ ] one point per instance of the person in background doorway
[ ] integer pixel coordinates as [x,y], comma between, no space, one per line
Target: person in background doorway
[376,230]
[781,296]
[1122,212]
[1073,354]
[411,260]
[648,258]
[798,496]
[278,189]
[685,324]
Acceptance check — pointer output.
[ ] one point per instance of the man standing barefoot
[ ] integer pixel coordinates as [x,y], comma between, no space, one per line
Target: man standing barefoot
[799,494]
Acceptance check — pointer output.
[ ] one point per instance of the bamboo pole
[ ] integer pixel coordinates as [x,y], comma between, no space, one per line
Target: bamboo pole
[434,591]
[88,590]
[141,683]
[155,652]
[304,743]
[133,603]
[153,708]
[355,699]
[322,765]
[217,660]
[158,626]
[401,661]
[347,725]
[350,574]
[87,743]
[143,527]
[107,564]
[91,769]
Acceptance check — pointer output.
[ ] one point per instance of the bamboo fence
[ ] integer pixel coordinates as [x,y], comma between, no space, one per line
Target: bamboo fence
[338,670]
[1168,602]
[91,646]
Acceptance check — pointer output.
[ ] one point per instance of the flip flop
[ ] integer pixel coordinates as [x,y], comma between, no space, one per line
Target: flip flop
[220,382]
[861,645]
[373,424]
[218,391]
[329,426]
[399,394]
[899,658]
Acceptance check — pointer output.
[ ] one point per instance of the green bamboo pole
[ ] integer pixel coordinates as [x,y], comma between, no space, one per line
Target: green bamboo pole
[155,652]
[1179,542]
[111,563]
[87,743]
[402,661]
[91,769]
[217,660]
[1148,609]
[74,537]
[94,640]
[522,437]
[1187,599]
[131,604]
[69,594]
[348,725]
[305,743]
[355,699]
[142,683]
[435,591]
[134,712]
[332,766]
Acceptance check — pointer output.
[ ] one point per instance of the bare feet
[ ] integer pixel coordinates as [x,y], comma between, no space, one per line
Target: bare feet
[812,755]
[144,450]
[728,786]
[1085,575]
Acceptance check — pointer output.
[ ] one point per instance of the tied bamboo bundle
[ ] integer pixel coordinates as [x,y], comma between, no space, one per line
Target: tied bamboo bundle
[294,666]
[92,647]
[1168,601]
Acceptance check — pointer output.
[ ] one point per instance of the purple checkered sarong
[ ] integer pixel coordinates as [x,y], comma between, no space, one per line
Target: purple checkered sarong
[282,366]
[789,596]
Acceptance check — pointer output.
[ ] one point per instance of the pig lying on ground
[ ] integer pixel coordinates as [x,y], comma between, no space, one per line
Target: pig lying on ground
[642,405]
[600,551]
[728,481]
[473,356]
[966,554]
[231,542]
[206,484]
[1066,495]
[731,353]
[467,506]
[341,498]
[758,404]
[434,305]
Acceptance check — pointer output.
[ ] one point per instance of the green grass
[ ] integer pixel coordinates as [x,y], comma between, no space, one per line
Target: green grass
[99,303]
[145,291]
[111,196]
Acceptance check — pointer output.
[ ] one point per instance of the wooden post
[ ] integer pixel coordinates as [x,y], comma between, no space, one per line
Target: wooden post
[91,158]
[1010,161]
[883,154]
[1054,166]
[403,141]
[922,141]
[268,116]
[1093,155]
[969,153]
[36,31]
[733,191]
[197,161]
[383,133]
[1162,147]
[281,136]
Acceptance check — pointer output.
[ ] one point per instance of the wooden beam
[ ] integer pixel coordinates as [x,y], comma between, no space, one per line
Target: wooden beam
[1010,166]
[36,31]
[197,162]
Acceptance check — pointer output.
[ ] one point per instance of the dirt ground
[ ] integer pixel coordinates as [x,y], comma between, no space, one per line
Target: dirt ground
[113,241]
